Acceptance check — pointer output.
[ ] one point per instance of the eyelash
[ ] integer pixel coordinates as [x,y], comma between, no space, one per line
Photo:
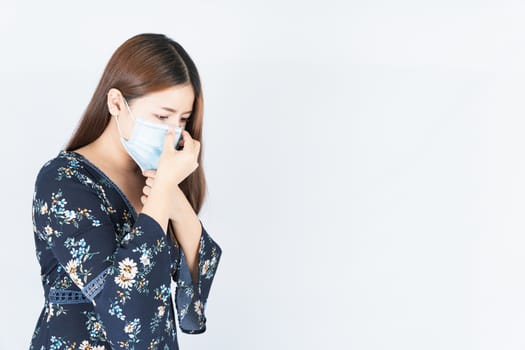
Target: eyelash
[166,117]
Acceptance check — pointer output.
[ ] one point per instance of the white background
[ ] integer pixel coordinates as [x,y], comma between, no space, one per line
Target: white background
[364,161]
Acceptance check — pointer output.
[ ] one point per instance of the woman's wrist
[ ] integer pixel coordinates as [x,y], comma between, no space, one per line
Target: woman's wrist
[158,206]
[180,206]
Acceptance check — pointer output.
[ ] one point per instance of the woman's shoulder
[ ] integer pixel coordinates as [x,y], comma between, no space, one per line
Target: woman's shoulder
[68,179]
[65,167]
[64,161]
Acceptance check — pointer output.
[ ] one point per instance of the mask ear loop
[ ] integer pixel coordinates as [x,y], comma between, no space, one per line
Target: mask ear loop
[116,118]
[118,125]
[129,110]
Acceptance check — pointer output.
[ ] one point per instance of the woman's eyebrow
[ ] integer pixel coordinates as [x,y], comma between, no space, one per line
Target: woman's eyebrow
[173,110]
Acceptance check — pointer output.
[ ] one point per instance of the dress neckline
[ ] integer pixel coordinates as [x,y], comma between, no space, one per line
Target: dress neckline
[107,178]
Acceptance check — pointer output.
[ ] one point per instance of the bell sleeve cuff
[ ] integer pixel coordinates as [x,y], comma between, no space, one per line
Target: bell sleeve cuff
[190,297]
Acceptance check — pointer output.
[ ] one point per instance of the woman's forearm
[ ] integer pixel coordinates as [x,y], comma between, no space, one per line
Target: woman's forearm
[187,229]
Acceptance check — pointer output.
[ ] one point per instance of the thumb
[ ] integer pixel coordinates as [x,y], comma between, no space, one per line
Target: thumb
[186,136]
[169,139]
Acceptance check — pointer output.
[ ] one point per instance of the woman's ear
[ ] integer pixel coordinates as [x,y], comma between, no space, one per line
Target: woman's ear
[114,101]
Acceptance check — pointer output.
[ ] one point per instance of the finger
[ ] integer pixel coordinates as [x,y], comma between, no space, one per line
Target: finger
[149,182]
[143,199]
[149,173]
[169,140]
[186,136]
[146,190]
[193,145]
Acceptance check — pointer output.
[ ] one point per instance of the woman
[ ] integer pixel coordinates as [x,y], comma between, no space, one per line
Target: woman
[115,212]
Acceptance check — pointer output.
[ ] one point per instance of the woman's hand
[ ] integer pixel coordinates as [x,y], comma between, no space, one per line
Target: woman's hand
[182,163]
[174,166]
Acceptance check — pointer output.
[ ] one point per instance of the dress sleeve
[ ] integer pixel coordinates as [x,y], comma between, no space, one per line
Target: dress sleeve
[190,297]
[124,271]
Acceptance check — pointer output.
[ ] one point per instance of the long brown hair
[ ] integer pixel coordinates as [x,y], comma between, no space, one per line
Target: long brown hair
[143,64]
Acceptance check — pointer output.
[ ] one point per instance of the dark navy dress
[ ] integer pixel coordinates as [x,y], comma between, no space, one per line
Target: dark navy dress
[107,270]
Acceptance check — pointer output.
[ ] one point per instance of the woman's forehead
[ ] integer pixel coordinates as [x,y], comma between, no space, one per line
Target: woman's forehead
[178,98]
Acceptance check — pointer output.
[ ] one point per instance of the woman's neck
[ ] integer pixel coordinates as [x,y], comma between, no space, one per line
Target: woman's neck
[108,150]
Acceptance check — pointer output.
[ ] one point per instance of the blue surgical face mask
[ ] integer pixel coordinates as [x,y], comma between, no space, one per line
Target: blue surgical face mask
[147,141]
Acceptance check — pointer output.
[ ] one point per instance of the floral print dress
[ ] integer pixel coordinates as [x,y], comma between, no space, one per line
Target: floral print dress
[107,270]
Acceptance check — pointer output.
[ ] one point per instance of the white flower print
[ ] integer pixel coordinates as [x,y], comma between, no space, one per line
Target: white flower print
[71,267]
[124,282]
[161,311]
[144,259]
[72,270]
[128,268]
[129,327]
[205,267]
[49,311]
[198,307]
[43,209]
[49,230]
[77,281]
[85,345]
[128,271]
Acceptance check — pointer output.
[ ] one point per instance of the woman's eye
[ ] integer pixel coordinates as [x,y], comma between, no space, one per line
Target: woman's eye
[165,117]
